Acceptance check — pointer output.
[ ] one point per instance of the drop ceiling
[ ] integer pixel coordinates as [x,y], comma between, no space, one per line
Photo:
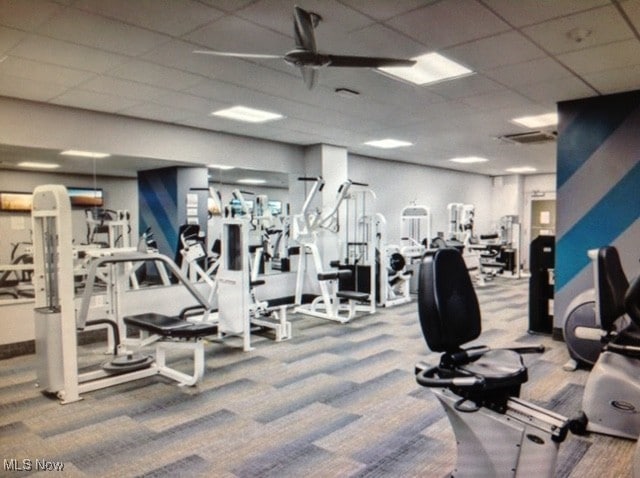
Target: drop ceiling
[134,58]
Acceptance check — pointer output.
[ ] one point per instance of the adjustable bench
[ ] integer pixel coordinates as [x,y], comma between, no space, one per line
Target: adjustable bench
[162,327]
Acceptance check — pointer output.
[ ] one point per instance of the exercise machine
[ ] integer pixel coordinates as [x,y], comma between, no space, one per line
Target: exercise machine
[392,268]
[238,307]
[497,433]
[57,319]
[611,400]
[542,253]
[595,316]
[114,224]
[307,227]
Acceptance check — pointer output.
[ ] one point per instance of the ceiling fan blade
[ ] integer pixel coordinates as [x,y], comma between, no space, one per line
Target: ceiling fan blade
[310,76]
[237,55]
[303,29]
[366,61]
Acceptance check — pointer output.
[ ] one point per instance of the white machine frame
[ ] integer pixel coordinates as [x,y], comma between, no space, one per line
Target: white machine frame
[55,310]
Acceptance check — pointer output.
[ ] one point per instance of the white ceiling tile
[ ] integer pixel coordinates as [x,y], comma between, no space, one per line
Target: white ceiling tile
[466,86]
[615,81]
[373,40]
[605,24]
[26,14]
[278,15]
[124,88]
[98,32]
[228,5]
[449,23]
[93,101]
[156,75]
[241,36]
[384,9]
[9,38]
[632,9]
[499,50]
[174,17]
[13,86]
[600,58]
[541,69]
[550,92]
[43,72]
[494,100]
[48,50]
[156,112]
[189,102]
[527,12]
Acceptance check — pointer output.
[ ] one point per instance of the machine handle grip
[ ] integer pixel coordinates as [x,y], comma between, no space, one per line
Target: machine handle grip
[426,379]
[309,178]
[359,184]
[251,193]
[533,349]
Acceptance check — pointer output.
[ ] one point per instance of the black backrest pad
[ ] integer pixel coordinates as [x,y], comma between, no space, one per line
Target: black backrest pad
[632,301]
[447,304]
[612,285]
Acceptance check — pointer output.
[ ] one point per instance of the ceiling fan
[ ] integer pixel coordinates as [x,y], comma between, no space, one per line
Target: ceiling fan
[306,56]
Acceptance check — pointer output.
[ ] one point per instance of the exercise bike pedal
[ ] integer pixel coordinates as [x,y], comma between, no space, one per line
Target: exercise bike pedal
[578,425]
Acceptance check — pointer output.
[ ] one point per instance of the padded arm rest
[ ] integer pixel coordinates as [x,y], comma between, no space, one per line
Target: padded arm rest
[426,378]
[341,274]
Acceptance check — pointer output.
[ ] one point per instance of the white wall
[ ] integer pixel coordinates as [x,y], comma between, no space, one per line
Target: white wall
[398,184]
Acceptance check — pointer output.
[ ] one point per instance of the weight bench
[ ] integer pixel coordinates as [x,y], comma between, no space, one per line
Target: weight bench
[165,332]
[354,297]
[161,327]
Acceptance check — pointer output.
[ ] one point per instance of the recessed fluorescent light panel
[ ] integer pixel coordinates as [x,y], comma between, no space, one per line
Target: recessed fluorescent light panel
[538,121]
[469,160]
[223,167]
[521,169]
[388,143]
[251,181]
[84,154]
[429,68]
[248,115]
[34,165]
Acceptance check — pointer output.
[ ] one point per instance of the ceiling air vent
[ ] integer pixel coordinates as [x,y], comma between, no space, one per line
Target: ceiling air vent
[532,137]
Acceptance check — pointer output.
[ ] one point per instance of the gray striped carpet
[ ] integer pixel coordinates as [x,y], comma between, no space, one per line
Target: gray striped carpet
[336,400]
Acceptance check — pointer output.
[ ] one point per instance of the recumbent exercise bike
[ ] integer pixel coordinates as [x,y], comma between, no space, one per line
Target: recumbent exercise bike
[497,434]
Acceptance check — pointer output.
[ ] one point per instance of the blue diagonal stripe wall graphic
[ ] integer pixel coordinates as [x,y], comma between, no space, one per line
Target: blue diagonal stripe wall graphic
[157,206]
[588,130]
[609,218]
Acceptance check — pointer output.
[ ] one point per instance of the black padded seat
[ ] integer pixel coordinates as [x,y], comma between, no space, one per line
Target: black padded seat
[168,326]
[450,318]
[352,295]
[499,368]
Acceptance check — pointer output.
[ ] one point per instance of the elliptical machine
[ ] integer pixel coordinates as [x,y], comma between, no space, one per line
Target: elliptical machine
[611,400]
[498,435]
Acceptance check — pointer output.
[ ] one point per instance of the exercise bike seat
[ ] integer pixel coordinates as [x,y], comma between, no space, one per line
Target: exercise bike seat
[450,318]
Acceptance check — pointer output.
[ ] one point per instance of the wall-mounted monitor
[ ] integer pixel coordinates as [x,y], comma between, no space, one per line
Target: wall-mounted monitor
[275,207]
[16,202]
[86,197]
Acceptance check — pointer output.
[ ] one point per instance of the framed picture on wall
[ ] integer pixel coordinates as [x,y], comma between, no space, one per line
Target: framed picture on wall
[86,197]
[15,202]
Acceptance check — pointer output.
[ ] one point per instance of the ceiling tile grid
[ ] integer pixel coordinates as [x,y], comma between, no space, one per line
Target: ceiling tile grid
[136,58]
